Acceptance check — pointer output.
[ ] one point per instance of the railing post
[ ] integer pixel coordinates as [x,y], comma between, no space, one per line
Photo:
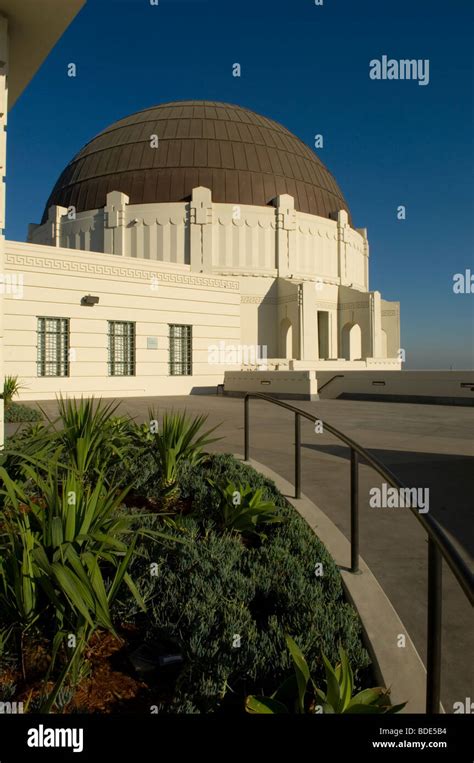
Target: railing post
[297,455]
[433,662]
[354,511]
[246,429]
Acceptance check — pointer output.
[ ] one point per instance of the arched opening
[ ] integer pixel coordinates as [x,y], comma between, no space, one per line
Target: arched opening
[384,346]
[286,338]
[351,341]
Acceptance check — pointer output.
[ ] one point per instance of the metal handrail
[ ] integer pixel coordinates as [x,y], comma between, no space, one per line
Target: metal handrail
[439,544]
[337,376]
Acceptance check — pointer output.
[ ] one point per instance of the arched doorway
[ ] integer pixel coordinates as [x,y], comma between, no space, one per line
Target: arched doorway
[351,341]
[286,338]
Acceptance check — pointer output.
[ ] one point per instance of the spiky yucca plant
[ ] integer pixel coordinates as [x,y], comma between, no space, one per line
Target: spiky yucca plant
[244,509]
[11,388]
[178,439]
[300,694]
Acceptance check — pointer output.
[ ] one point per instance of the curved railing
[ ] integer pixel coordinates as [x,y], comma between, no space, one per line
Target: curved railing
[440,546]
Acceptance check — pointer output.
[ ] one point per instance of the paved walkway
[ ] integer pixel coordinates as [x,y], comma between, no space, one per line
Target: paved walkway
[425,445]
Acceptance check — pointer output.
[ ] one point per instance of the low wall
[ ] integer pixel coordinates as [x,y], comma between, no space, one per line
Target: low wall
[291,385]
[443,387]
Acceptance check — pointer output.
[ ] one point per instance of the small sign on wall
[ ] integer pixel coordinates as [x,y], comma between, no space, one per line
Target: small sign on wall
[152,342]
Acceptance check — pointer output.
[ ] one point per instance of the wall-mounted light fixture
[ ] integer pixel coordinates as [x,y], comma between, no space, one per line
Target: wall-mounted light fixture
[89,300]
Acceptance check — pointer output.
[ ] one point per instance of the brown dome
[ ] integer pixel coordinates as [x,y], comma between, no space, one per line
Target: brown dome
[244,158]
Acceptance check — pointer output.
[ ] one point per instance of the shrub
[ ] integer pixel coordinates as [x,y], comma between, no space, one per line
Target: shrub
[179,440]
[16,413]
[86,437]
[212,589]
[93,440]
[245,511]
[65,542]
[300,694]
[11,387]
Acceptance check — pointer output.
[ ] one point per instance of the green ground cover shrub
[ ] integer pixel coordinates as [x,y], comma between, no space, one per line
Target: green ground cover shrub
[17,413]
[214,592]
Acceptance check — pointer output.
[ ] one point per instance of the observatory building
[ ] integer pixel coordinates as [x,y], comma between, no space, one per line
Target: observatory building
[186,243]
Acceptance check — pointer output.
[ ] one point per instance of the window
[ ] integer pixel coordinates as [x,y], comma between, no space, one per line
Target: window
[181,350]
[121,348]
[53,346]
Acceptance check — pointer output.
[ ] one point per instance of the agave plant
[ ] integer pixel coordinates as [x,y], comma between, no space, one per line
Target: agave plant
[65,552]
[11,388]
[299,694]
[178,439]
[63,530]
[18,584]
[244,509]
[36,445]
[93,440]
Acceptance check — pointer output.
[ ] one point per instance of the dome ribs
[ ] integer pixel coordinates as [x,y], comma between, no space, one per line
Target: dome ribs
[227,157]
[241,156]
[200,153]
[232,186]
[163,186]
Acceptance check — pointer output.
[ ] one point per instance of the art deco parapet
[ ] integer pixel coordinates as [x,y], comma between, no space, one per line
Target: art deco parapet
[115,222]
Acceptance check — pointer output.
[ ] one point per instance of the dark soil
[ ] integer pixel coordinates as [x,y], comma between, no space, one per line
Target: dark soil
[111,685]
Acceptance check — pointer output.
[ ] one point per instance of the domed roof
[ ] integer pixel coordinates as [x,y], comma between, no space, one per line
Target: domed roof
[244,158]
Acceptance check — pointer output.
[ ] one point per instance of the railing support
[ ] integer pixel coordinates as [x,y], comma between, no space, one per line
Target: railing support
[297,455]
[354,511]
[433,661]
[246,429]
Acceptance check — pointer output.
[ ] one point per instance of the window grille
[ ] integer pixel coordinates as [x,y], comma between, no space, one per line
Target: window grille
[181,350]
[53,346]
[121,348]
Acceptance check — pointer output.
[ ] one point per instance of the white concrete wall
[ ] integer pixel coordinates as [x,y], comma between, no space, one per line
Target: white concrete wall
[259,308]
[391,326]
[240,239]
[148,293]
[287,384]
[290,265]
[422,384]
[243,238]
[447,386]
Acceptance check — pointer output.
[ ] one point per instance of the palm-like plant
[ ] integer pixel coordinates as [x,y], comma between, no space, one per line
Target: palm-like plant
[94,439]
[65,551]
[66,545]
[245,510]
[64,531]
[11,388]
[300,694]
[179,439]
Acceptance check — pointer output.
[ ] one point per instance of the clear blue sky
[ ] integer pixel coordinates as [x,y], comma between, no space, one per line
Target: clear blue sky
[388,143]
